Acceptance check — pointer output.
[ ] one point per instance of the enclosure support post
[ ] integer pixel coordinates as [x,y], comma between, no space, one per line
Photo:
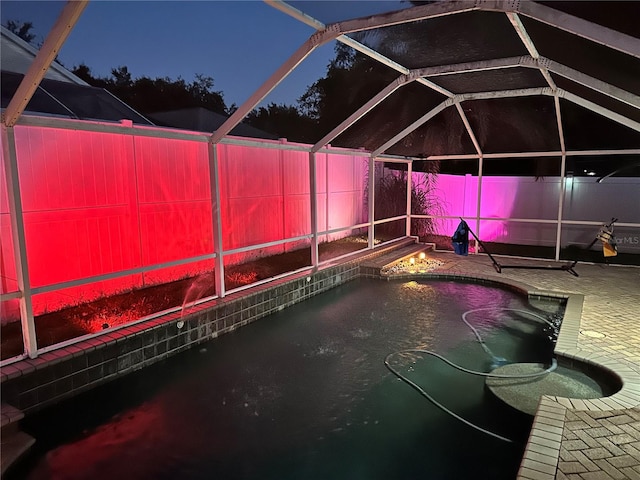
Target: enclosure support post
[214,180]
[409,172]
[313,197]
[19,243]
[479,201]
[327,211]
[560,206]
[563,163]
[372,200]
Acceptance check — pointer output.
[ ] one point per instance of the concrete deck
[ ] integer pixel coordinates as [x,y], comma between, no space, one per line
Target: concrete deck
[582,439]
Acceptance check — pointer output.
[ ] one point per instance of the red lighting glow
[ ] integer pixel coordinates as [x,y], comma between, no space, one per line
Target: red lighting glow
[100,203]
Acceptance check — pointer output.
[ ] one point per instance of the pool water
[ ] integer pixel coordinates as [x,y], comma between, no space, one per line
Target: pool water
[304,394]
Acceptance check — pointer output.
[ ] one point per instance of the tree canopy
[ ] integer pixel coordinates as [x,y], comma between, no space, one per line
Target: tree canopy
[351,79]
[21,29]
[149,95]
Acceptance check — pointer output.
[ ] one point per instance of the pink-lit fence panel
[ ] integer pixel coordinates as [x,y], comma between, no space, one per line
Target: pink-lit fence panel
[345,179]
[251,197]
[100,203]
[174,201]
[321,194]
[296,188]
[502,197]
[521,198]
[78,193]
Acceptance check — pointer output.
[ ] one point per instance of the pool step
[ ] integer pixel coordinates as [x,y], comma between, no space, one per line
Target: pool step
[374,266]
[15,442]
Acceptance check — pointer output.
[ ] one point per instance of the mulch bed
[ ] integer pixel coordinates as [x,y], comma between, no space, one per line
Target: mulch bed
[73,322]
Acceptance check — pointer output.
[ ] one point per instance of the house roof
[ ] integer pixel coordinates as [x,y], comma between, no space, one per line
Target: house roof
[61,93]
[201,119]
[17,56]
[71,100]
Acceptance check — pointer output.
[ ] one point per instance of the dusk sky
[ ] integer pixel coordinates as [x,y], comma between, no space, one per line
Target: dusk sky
[238,43]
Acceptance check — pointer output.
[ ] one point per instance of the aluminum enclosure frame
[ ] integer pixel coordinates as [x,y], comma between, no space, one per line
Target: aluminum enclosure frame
[512,9]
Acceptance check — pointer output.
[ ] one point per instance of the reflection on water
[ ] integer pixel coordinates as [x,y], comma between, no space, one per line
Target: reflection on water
[304,394]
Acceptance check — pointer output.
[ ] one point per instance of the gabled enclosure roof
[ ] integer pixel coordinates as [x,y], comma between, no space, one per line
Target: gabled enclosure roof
[468,79]
[492,77]
[485,78]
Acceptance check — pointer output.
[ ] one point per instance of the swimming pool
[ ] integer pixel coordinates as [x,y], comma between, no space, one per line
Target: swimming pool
[304,394]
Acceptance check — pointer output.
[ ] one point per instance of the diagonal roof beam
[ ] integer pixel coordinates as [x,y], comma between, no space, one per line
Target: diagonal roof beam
[616,117]
[418,123]
[591,82]
[455,100]
[583,28]
[390,63]
[467,67]
[363,110]
[317,39]
[467,125]
[530,62]
[556,104]
[413,14]
[564,21]
[312,22]
[55,39]
[530,46]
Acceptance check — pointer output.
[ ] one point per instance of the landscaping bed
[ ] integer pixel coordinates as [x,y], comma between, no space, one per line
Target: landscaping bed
[73,322]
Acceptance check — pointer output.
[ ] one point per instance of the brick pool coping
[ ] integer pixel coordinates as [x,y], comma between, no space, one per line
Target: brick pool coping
[577,439]
[32,384]
[542,453]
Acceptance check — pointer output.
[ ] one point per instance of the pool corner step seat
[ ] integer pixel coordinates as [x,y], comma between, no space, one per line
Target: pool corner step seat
[15,442]
[397,255]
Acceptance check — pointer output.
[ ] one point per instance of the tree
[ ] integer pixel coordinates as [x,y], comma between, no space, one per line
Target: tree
[121,77]
[148,95]
[83,72]
[201,90]
[285,121]
[21,29]
[350,81]
[391,200]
